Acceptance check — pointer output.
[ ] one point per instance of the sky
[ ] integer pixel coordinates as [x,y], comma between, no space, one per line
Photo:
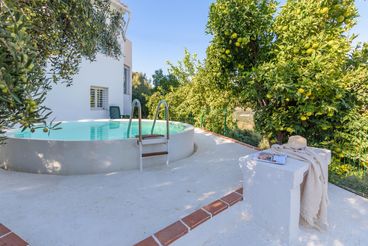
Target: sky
[160,30]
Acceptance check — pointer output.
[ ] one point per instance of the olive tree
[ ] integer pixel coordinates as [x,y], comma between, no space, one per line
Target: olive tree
[43,42]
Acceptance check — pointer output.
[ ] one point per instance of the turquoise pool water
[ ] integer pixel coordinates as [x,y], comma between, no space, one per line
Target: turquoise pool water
[96,130]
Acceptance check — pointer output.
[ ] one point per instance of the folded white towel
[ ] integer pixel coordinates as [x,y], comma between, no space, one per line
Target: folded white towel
[314,198]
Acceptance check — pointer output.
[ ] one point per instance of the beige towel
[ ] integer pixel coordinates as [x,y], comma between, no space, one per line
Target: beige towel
[314,198]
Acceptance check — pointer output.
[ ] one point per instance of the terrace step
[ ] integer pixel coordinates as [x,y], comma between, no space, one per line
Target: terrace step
[155,154]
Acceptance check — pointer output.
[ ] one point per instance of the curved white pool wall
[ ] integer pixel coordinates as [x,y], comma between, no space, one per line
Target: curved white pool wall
[88,157]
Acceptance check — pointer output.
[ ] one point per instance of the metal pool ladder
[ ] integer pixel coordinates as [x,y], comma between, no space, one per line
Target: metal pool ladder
[150,139]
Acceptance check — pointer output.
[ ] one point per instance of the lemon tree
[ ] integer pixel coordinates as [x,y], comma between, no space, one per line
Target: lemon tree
[295,68]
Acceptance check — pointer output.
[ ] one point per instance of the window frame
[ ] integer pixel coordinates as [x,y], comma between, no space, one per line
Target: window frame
[127,80]
[100,97]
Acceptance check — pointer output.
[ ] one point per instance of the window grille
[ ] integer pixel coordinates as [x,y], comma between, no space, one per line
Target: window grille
[98,98]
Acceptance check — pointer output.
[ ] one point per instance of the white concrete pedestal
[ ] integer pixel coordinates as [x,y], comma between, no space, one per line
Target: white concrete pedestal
[272,193]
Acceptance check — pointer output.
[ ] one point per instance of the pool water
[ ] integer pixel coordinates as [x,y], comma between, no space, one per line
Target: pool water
[96,130]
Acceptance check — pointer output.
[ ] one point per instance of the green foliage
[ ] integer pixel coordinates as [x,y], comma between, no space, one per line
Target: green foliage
[293,68]
[349,177]
[246,136]
[242,39]
[22,84]
[185,70]
[197,100]
[142,89]
[164,83]
[305,83]
[43,42]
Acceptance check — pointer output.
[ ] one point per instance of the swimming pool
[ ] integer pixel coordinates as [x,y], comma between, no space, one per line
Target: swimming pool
[97,130]
[90,146]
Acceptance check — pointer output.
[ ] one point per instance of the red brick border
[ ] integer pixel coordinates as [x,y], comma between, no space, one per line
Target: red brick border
[181,227]
[9,238]
[196,218]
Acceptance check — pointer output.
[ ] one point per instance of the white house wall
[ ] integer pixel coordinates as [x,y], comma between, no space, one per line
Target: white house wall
[73,102]
[128,63]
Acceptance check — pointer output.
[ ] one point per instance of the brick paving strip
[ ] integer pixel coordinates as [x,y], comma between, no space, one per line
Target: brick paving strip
[176,230]
[9,238]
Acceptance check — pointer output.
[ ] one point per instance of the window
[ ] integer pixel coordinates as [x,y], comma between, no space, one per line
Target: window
[98,98]
[126,80]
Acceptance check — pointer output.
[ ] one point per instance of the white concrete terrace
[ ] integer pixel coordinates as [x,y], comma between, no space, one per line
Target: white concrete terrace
[125,207]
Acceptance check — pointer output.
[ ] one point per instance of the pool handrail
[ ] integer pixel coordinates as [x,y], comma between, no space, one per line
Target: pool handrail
[166,117]
[136,103]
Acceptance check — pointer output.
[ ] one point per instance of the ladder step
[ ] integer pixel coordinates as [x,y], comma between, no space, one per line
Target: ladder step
[150,136]
[155,154]
[152,141]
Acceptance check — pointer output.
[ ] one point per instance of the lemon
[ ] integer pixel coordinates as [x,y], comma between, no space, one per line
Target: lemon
[237,44]
[227,52]
[315,46]
[301,90]
[309,113]
[303,118]
[269,96]
[234,35]
[289,129]
[310,51]
[340,19]
[337,7]
[324,10]
[307,45]
[287,99]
